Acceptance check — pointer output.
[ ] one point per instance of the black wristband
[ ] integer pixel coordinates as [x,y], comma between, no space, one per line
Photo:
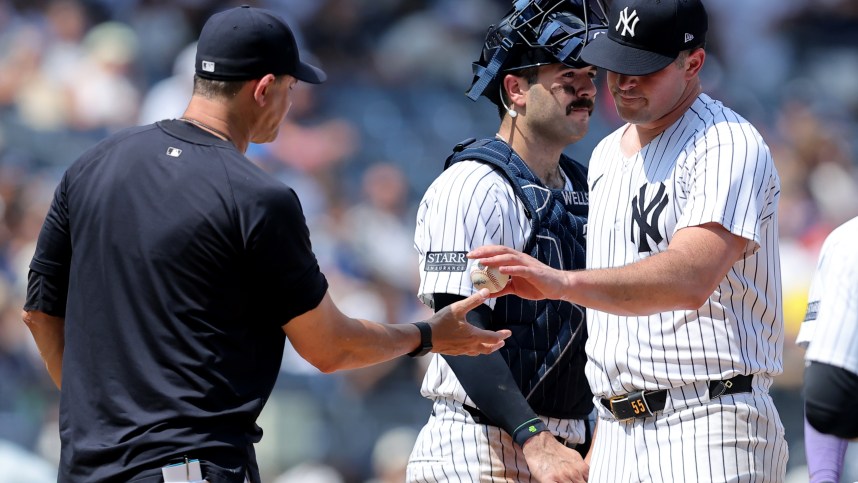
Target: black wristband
[425,340]
[528,430]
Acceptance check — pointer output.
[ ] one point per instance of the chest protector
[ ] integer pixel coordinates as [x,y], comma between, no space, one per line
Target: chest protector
[546,350]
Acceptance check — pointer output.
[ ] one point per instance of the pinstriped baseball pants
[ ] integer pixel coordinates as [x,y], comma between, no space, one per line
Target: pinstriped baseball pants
[451,447]
[737,438]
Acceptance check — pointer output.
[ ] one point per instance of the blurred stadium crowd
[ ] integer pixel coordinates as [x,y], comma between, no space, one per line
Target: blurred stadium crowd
[360,150]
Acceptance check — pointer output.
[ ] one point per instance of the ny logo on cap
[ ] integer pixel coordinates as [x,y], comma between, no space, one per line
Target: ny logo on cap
[628,22]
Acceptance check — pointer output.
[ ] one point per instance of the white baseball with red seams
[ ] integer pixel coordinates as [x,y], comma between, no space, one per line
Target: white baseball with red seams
[488,277]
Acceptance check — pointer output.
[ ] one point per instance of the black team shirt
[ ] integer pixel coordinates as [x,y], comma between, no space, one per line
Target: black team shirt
[182,261]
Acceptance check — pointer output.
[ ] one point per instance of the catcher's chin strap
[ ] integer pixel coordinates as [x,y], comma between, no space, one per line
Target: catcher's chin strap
[485,74]
[527,11]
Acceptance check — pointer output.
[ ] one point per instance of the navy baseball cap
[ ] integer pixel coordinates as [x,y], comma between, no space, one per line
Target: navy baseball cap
[246,43]
[645,36]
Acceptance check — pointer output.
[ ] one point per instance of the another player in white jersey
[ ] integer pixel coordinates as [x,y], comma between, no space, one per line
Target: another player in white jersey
[683,284]
[830,334]
[522,415]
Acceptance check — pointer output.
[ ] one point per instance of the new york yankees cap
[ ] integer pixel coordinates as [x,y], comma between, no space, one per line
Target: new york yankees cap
[245,43]
[645,36]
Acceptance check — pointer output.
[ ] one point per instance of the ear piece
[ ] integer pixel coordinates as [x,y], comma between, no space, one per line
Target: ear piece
[510,110]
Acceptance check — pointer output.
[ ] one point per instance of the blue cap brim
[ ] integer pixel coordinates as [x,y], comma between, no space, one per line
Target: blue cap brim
[606,53]
[308,73]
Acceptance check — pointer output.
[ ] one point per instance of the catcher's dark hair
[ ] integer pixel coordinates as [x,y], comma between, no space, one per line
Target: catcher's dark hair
[533,33]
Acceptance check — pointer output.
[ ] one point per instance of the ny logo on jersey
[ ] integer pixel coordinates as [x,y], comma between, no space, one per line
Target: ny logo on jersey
[647,216]
[628,22]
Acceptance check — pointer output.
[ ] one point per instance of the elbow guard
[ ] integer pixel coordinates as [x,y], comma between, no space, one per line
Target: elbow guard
[829,397]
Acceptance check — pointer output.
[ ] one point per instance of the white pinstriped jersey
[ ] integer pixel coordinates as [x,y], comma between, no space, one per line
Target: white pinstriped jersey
[711,165]
[469,205]
[830,328]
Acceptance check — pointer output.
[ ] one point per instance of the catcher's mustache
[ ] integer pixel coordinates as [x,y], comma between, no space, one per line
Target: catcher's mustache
[580,104]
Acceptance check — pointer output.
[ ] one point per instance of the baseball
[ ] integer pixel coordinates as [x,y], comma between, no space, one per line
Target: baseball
[488,277]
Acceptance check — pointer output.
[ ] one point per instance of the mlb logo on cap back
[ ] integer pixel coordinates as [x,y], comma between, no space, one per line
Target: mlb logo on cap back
[645,36]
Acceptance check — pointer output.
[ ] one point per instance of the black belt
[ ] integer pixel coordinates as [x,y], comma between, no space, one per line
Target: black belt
[643,404]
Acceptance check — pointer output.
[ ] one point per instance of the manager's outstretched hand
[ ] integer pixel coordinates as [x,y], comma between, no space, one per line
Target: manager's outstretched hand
[529,278]
[453,335]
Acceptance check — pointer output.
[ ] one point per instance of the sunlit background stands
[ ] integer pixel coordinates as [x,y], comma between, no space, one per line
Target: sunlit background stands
[360,150]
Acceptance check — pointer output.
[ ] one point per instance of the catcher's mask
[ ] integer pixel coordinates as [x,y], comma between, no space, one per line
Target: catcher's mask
[534,33]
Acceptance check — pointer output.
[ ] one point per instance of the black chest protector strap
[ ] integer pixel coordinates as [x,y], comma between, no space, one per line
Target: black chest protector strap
[546,351]
[501,155]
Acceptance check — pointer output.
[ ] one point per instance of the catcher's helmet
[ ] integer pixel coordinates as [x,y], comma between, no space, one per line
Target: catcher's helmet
[533,33]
